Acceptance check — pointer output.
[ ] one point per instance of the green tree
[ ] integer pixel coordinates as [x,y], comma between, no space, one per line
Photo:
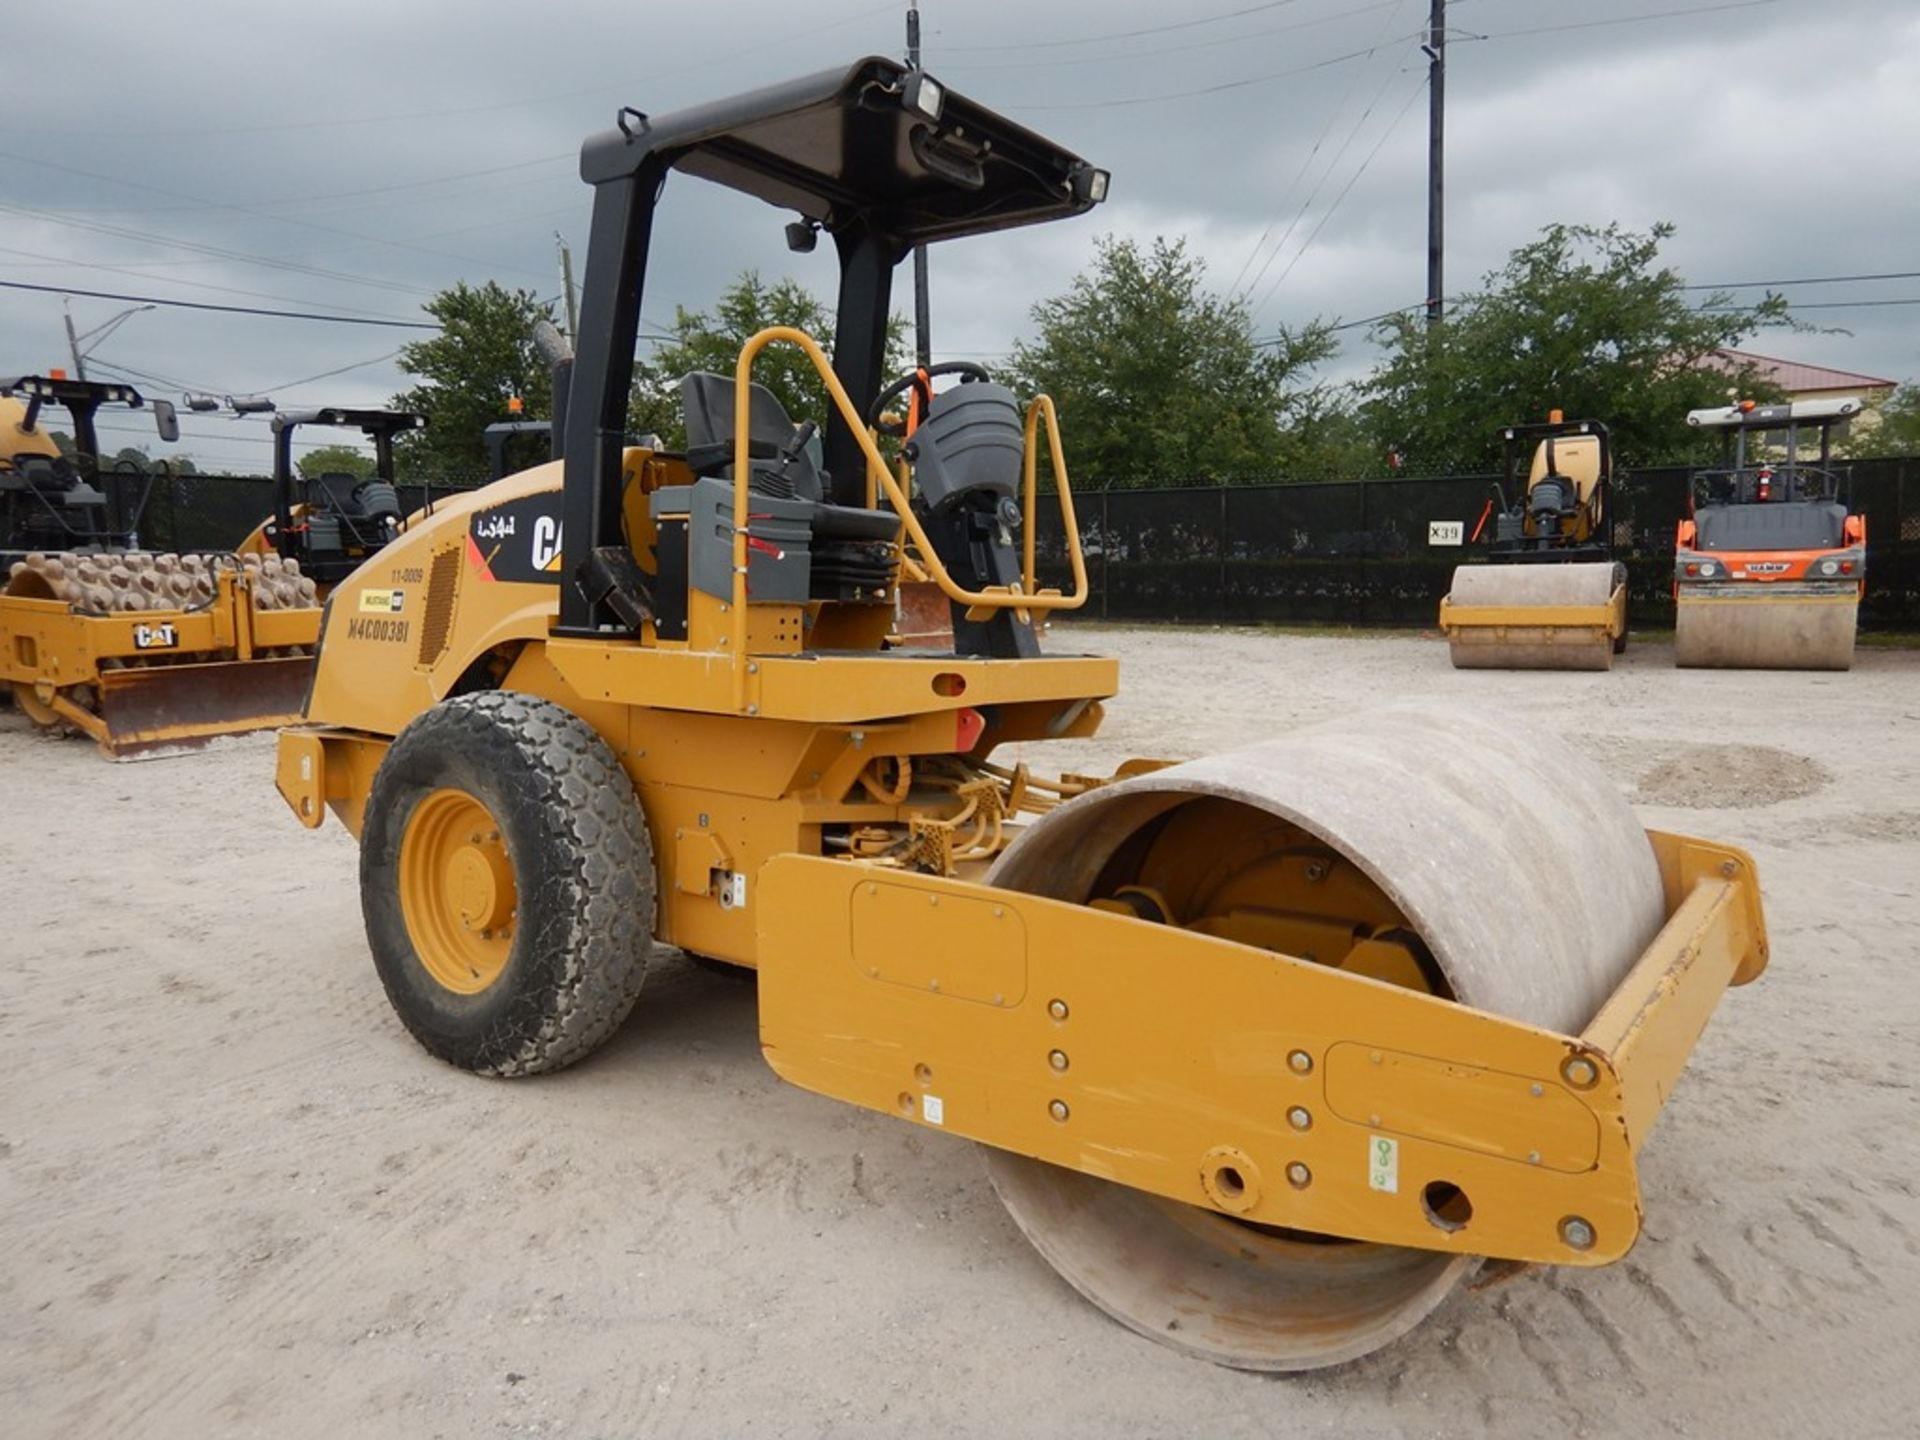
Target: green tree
[712,342]
[1583,320]
[1897,431]
[1158,380]
[483,355]
[335,460]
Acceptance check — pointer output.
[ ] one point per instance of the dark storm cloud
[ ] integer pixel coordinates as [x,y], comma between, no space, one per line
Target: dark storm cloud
[400,147]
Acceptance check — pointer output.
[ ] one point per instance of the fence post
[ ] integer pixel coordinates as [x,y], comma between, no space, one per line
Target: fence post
[1222,551]
[1366,554]
[1106,547]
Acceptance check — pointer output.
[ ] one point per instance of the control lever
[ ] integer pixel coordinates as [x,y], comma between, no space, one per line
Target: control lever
[777,483]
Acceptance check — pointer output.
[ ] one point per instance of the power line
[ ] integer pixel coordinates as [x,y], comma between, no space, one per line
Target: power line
[1376,319]
[291,267]
[1808,280]
[1079,40]
[253,214]
[1205,89]
[172,382]
[1365,165]
[1623,19]
[1159,51]
[1333,115]
[232,444]
[733,53]
[179,280]
[1325,175]
[1267,340]
[223,309]
[332,198]
[413,185]
[329,374]
[1836,304]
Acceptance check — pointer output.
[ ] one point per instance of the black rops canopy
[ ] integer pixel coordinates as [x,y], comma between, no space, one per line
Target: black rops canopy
[875,145]
[64,391]
[373,422]
[380,426]
[81,398]
[878,157]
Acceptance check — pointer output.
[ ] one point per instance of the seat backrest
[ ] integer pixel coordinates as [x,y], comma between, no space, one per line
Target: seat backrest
[708,401]
[47,473]
[1551,494]
[333,489]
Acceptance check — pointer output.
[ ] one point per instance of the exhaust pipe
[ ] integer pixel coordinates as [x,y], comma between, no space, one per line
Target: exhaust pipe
[557,351]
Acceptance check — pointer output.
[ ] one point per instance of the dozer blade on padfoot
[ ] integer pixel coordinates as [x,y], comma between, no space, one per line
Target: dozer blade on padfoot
[1766,627]
[143,710]
[1539,616]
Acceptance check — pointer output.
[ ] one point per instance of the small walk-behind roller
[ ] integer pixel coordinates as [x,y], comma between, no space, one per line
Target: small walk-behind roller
[1548,595]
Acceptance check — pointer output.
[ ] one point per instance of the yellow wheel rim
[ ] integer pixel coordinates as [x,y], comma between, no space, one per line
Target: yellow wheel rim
[457,891]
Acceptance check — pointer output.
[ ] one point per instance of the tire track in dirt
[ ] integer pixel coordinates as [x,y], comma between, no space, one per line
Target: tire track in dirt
[112,1187]
[168,1403]
[1808,1254]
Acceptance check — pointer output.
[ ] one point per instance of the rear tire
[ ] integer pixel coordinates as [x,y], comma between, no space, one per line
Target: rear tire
[520,802]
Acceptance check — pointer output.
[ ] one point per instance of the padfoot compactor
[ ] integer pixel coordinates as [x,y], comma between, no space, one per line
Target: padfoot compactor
[1269,1050]
[1549,595]
[141,651]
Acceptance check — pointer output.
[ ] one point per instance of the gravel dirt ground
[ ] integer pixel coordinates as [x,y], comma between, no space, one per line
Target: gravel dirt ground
[236,1199]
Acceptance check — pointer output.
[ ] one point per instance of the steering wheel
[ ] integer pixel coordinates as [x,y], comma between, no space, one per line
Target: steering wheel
[967,370]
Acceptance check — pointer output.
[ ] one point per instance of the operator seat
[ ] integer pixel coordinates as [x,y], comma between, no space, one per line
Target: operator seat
[1553,495]
[334,490]
[779,451]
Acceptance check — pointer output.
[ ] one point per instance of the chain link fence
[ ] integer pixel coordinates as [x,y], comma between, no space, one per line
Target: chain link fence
[1371,552]
[1353,552]
[217,512]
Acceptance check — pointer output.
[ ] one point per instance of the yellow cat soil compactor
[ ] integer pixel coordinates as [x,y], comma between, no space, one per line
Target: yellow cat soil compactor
[1268,1050]
[1549,595]
[1770,563]
[142,651]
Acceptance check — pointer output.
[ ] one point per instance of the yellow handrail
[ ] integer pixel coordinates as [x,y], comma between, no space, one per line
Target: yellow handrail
[993,598]
[1076,558]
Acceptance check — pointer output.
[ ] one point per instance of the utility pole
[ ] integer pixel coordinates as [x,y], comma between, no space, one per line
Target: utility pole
[566,287]
[922,338]
[73,346]
[1436,48]
[97,334]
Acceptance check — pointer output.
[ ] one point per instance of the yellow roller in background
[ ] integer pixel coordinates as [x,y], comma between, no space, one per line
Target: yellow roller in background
[1549,596]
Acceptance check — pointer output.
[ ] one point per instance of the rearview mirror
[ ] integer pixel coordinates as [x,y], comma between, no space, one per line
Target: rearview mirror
[166,420]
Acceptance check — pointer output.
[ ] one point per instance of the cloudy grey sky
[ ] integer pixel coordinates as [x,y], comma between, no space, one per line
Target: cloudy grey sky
[354,157]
